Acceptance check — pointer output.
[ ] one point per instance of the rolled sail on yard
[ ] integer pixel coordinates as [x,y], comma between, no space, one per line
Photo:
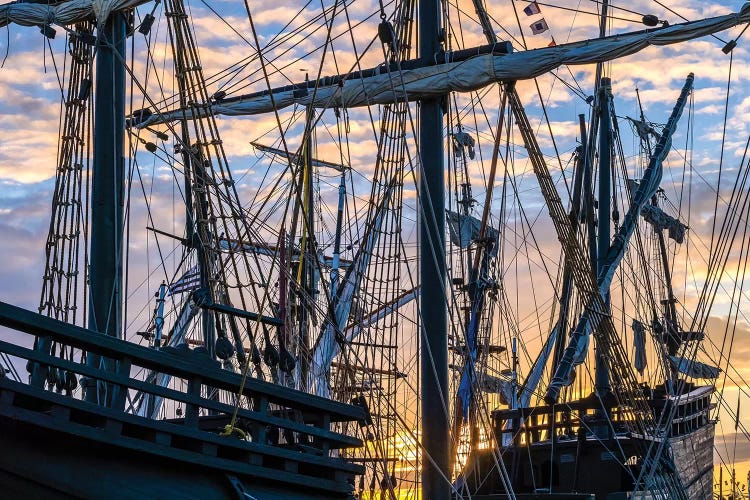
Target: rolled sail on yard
[70,12]
[388,87]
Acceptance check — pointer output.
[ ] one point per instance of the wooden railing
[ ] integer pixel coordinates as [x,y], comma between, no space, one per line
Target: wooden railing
[525,426]
[269,412]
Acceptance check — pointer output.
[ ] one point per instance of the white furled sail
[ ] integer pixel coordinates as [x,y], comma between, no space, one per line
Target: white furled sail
[62,14]
[389,87]
[661,221]
[537,370]
[496,385]
[465,229]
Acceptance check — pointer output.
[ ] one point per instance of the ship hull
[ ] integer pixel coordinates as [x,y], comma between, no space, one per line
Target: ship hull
[590,468]
[593,455]
[45,466]
[53,452]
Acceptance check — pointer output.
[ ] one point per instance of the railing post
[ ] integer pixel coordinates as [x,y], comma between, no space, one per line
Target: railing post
[325,446]
[121,391]
[191,410]
[259,430]
[39,371]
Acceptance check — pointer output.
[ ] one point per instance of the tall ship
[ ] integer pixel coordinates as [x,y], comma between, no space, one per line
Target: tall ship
[404,249]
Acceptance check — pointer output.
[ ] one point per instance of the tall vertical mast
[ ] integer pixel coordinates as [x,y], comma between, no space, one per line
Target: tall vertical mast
[602,34]
[575,214]
[433,303]
[603,96]
[588,183]
[309,255]
[107,187]
[201,241]
[605,198]
[337,240]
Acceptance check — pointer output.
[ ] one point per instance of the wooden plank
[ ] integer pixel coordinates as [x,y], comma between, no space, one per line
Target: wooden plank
[209,449]
[36,324]
[113,427]
[163,438]
[59,412]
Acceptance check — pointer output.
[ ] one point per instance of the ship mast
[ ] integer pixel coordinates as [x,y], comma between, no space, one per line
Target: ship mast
[433,304]
[309,251]
[604,214]
[603,100]
[107,190]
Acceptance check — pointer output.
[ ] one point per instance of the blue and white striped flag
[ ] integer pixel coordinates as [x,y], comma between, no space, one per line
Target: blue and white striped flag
[188,282]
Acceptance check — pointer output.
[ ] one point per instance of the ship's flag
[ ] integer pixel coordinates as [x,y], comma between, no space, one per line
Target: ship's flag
[553,43]
[531,9]
[188,282]
[539,27]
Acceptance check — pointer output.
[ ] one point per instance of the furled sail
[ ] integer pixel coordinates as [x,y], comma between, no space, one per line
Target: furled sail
[464,229]
[496,385]
[693,368]
[639,345]
[233,245]
[387,87]
[64,13]
[537,370]
[646,189]
[661,221]
[354,329]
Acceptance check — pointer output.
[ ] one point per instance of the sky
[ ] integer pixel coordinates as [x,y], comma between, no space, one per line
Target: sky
[33,68]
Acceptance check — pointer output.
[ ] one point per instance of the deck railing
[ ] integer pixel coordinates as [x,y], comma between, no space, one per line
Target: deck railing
[525,426]
[281,428]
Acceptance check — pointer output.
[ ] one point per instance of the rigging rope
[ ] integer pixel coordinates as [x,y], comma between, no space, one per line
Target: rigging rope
[68,221]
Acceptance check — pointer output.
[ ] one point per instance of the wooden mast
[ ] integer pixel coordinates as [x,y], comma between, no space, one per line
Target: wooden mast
[433,304]
[107,193]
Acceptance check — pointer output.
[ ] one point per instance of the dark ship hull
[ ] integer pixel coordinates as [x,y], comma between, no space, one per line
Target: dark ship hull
[590,457]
